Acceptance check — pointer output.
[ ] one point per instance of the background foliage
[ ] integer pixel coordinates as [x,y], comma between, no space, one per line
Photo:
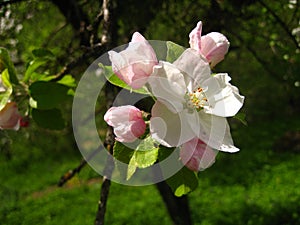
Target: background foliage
[259,185]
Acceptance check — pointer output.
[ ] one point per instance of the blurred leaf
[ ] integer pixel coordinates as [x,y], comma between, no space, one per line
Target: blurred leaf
[6,63]
[183,182]
[115,80]
[241,117]
[48,95]
[50,119]
[68,80]
[42,53]
[41,77]
[144,156]
[174,51]
[4,96]
[33,65]
[32,103]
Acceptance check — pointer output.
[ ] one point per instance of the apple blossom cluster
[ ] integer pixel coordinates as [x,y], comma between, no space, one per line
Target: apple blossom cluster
[191,103]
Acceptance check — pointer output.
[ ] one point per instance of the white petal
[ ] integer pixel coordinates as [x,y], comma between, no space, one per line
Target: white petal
[215,132]
[223,98]
[118,62]
[168,128]
[195,67]
[168,86]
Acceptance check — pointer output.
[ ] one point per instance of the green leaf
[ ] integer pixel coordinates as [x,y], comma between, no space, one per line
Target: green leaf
[32,66]
[144,156]
[42,53]
[49,119]
[4,96]
[41,77]
[48,95]
[164,152]
[183,182]
[122,152]
[68,80]
[115,80]
[174,51]
[6,63]
[241,117]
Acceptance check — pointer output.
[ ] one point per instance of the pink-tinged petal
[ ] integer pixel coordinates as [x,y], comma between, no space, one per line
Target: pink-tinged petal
[137,37]
[196,155]
[214,46]
[140,73]
[195,37]
[120,114]
[127,122]
[120,66]
[10,117]
[195,67]
[168,128]
[138,127]
[168,86]
[223,98]
[214,131]
[134,64]
[124,132]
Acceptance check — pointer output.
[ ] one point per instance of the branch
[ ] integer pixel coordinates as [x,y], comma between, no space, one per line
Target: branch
[178,207]
[281,23]
[75,15]
[71,173]
[110,93]
[93,28]
[92,51]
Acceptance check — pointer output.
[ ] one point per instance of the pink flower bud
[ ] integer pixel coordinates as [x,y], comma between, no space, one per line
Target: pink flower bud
[10,117]
[134,64]
[127,122]
[196,155]
[212,46]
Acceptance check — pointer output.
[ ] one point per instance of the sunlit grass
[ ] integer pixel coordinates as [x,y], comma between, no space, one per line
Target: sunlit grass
[255,186]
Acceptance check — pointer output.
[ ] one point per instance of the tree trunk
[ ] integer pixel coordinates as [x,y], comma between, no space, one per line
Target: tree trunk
[177,207]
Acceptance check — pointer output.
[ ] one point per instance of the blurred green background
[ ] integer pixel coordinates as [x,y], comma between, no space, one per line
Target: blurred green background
[260,185]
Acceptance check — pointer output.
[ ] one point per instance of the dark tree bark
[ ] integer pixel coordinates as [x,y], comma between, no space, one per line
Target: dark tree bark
[178,207]
[76,17]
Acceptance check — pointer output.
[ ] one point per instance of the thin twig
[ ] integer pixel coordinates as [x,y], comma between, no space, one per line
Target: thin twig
[93,28]
[105,187]
[110,93]
[90,52]
[281,23]
[71,173]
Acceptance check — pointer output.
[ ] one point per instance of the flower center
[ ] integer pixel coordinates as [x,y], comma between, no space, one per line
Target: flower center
[196,99]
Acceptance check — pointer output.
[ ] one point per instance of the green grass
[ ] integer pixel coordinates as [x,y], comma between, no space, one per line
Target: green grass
[255,186]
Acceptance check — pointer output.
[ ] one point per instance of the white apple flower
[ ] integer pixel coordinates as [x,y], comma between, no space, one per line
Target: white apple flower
[192,103]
